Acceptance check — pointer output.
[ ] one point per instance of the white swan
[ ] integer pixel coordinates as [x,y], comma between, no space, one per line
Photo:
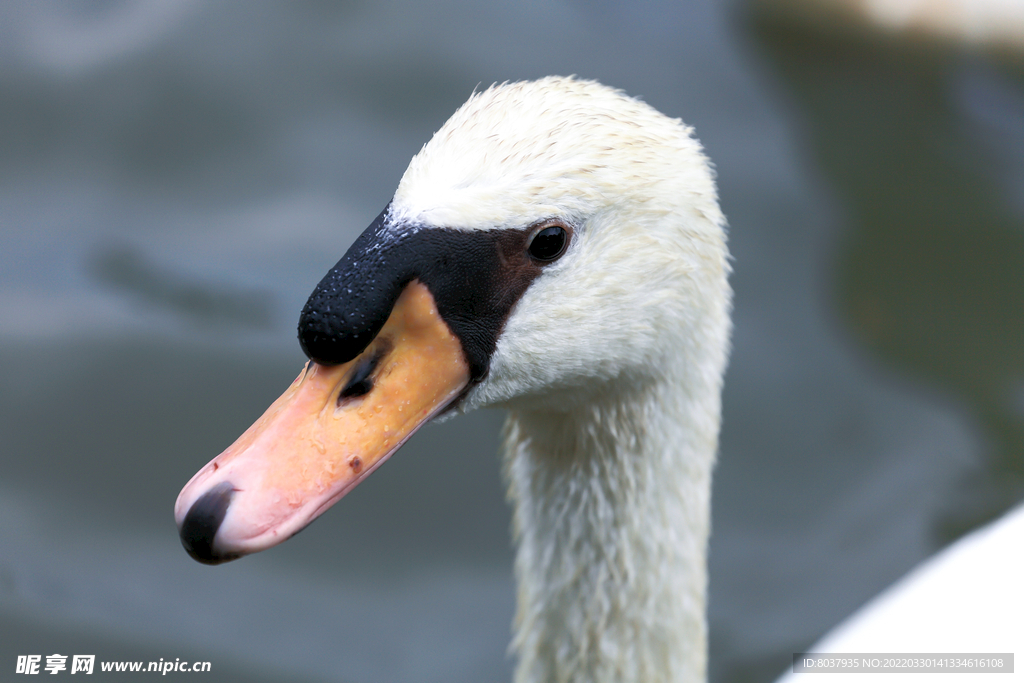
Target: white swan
[967,599]
[556,249]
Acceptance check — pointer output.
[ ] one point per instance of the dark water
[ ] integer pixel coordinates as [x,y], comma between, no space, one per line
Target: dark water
[176,176]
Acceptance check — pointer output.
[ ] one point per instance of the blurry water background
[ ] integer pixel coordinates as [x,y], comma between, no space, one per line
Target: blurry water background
[175,177]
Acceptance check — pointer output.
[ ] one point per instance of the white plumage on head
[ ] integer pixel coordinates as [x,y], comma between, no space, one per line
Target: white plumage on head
[547,147]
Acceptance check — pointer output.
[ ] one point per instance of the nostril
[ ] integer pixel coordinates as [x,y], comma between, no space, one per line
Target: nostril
[202,522]
[360,381]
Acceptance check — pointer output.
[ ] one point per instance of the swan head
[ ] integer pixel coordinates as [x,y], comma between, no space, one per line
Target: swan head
[554,242]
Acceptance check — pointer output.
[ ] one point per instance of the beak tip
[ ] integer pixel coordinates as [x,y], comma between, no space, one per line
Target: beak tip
[198,530]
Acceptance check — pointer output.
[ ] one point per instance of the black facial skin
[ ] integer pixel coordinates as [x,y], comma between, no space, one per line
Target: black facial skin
[475,277]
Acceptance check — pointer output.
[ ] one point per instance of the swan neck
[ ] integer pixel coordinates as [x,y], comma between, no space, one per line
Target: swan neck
[611,514]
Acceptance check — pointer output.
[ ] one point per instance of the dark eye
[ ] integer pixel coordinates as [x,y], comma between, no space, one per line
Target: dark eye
[548,244]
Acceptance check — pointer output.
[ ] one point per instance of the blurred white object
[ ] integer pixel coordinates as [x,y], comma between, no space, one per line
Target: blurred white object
[969,598]
[976,22]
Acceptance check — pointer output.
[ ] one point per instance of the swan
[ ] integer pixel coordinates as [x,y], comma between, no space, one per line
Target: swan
[556,249]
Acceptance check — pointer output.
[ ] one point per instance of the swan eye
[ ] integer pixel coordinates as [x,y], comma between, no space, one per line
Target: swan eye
[548,244]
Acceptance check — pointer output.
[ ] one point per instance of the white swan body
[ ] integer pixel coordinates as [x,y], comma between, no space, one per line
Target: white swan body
[967,599]
[610,363]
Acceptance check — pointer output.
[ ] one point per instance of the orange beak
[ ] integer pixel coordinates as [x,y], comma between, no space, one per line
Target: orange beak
[327,431]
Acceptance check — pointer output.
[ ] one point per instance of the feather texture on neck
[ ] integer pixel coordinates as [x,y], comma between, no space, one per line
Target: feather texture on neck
[612,505]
